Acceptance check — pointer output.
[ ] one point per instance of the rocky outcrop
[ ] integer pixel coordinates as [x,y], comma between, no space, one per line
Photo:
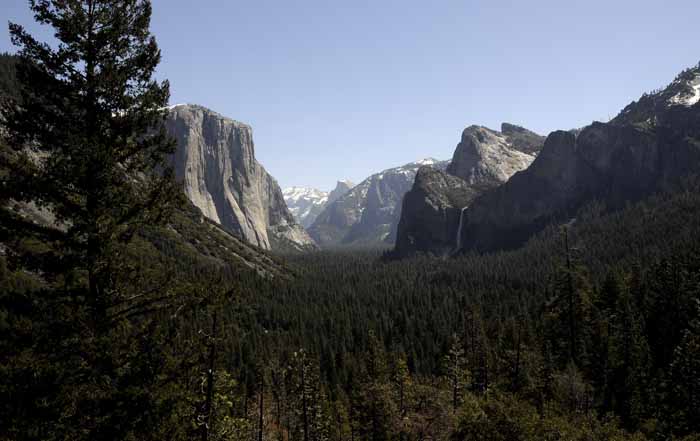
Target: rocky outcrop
[485,156]
[653,143]
[340,190]
[215,160]
[484,159]
[307,203]
[368,215]
[522,139]
[431,213]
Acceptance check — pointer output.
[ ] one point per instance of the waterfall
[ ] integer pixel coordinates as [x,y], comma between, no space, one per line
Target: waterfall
[459,229]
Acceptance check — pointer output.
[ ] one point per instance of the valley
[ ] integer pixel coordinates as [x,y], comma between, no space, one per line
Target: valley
[157,283]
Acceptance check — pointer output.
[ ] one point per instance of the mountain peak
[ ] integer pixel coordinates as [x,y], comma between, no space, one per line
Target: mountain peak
[652,107]
[305,203]
[688,88]
[426,161]
[342,187]
[344,183]
[297,193]
[485,155]
[176,109]
[513,129]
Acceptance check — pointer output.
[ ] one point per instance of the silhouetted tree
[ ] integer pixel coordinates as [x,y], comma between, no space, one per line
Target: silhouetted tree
[86,138]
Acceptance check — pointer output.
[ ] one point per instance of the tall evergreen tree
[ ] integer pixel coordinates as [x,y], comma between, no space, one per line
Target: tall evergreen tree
[683,406]
[630,359]
[87,133]
[455,370]
[569,311]
[372,401]
[86,139]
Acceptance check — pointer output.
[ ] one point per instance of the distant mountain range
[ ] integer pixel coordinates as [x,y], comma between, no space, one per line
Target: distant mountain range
[307,203]
[499,188]
[368,215]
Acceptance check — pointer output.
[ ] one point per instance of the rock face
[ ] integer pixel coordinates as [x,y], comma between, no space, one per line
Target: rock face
[431,212]
[215,160]
[340,190]
[651,144]
[307,203]
[368,215]
[484,159]
[485,156]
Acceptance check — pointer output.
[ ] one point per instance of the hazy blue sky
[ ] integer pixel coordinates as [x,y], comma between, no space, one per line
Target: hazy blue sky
[342,89]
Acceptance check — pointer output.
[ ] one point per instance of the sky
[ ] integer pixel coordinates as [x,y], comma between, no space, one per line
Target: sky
[343,89]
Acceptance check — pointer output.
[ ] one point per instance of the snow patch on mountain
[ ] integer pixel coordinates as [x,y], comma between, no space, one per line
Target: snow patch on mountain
[306,204]
[296,194]
[691,93]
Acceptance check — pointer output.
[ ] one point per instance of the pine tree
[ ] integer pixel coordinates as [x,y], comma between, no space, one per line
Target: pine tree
[570,310]
[683,402]
[278,373]
[455,368]
[631,361]
[401,379]
[87,137]
[88,133]
[480,363]
[374,409]
[545,379]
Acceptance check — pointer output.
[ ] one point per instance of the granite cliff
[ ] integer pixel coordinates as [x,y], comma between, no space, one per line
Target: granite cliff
[651,145]
[484,159]
[215,160]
